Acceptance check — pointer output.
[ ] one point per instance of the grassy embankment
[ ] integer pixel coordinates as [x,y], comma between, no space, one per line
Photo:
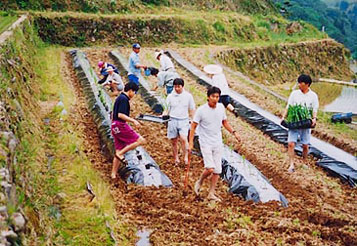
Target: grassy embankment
[53,168]
[6,20]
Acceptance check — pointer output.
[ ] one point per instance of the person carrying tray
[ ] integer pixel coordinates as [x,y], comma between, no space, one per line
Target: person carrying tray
[304,97]
[180,107]
[125,138]
[210,117]
[219,80]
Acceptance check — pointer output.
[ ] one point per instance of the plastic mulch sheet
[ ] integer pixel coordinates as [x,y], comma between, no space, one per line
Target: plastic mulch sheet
[242,177]
[144,172]
[334,160]
[150,97]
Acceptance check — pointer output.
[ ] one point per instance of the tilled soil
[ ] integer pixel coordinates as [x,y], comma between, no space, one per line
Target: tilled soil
[321,209]
[266,101]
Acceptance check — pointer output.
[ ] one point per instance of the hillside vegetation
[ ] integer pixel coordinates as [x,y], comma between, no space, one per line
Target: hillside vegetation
[338,18]
[114,6]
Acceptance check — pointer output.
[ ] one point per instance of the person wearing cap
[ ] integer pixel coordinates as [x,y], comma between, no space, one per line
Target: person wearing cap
[103,66]
[209,118]
[219,80]
[114,81]
[180,107]
[165,79]
[165,62]
[134,64]
[125,138]
[304,97]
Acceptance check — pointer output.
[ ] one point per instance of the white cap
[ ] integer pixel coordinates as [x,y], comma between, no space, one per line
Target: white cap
[157,53]
[213,69]
[110,69]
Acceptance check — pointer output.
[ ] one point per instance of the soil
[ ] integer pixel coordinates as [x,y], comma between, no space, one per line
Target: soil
[198,56]
[321,209]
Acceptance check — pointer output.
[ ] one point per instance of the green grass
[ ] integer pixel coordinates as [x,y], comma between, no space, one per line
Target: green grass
[6,21]
[61,197]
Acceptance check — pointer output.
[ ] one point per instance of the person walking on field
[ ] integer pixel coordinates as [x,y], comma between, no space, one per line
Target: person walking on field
[165,62]
[134,64]
[219,80]
[304,97]
[210,117]
[165,78]
[125,138]
[180,107]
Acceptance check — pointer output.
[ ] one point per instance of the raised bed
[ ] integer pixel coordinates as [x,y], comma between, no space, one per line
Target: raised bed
[154,101]
[334,160]
[243,178]
[141,168]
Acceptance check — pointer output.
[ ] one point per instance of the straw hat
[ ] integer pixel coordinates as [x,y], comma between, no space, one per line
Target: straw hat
[213,69]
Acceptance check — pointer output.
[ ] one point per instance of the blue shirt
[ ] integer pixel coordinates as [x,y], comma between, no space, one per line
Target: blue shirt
[122,106]
[134,60]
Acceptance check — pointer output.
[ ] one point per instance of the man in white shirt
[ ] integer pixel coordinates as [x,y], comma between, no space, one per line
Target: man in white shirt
[210,117]
[114,81]
[165,78]
[219,80]
[180,106]
[305,97]
[165,62]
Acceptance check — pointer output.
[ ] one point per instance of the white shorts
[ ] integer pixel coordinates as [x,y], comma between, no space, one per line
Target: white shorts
[177,128]
[212,157]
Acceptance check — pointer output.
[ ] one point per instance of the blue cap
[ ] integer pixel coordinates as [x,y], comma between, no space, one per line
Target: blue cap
[136,46]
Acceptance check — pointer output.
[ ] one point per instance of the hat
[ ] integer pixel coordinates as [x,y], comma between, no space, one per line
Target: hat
[136,46]
[213,69]
[100,64]
[158,53]
[110,69]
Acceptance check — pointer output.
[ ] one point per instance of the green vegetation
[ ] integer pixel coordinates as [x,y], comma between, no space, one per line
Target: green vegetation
[6,20]
[298,113]
[51,180]
[339,20]
[125,6]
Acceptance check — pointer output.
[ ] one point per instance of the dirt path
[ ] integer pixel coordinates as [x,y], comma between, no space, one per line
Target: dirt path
[321,210]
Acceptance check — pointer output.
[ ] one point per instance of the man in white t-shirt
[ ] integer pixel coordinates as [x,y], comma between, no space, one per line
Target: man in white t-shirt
[165,62]
[210,117]
[180,106]
[305,97]
[219,80]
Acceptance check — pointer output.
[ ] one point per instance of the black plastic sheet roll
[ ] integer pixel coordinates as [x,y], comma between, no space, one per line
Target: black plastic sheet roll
[144,171]
[279,134]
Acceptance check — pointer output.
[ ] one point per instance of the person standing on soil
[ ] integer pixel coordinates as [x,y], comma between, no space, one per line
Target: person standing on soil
[103,66]
[303,96]
[114,81]
[210,117]
[125,138]
[165,78]
[134,65]
[219,80]
[165,62]
[180,107]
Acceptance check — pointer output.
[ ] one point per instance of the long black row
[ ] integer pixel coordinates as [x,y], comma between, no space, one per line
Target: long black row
[274,130]
[141,168]
[244,179]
